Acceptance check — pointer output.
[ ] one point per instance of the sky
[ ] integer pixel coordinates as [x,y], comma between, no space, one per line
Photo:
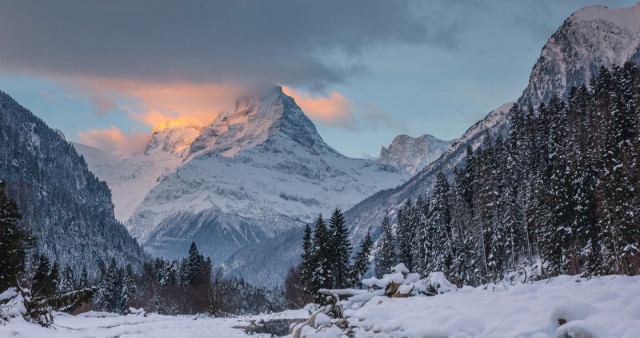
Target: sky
[105,73]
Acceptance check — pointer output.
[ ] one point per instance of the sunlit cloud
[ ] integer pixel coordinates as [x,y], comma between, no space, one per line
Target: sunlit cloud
[113,140]
[333,109]
[155,103]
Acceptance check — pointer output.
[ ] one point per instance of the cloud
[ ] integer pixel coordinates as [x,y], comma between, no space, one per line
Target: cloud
[224,41]
[113,140]
[104,104]
[334,109]
[154,103]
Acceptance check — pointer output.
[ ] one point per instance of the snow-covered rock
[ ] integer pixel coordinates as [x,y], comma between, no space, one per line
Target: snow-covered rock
[413,153]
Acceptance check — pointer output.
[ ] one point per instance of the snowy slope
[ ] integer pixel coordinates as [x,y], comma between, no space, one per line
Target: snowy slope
[413,153]
[257,171]
[131,178]
[592,37]
[564,306]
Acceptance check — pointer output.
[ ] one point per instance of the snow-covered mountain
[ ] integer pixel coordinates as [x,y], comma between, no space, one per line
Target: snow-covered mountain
[62,203]
[252,175]
[592,37]
[413,153]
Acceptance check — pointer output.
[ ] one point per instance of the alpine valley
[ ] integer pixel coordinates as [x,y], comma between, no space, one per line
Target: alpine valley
[243,186]
[248,181]
[247,222]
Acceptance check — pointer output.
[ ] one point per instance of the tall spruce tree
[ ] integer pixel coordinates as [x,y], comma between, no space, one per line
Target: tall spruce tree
[361,261]
[323,275]
[386,257]
[341,247]
[308,259]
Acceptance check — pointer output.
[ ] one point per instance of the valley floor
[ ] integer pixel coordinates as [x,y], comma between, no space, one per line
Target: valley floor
[102,324]
[565,306]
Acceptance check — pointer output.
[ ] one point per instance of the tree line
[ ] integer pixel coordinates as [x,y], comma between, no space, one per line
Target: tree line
[185,286]
[559,193]
[327,260]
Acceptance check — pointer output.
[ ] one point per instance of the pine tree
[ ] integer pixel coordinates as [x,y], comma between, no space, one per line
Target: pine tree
[194,267]
[361,262]
[405,231]
[308,260]
[14,242]
[440,257]
[43,284]
[341,247]
[323,275]
[67,280]
[128,287]
[84,278]
[386,256]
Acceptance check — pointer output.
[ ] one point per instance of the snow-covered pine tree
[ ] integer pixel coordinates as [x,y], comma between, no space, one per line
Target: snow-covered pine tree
[341,247]
[67,280]
[84,278]
[386,256]
[322,276]
[44,280]
[361,261]
[420,234]
[441,257]
[405,232]
[308,262]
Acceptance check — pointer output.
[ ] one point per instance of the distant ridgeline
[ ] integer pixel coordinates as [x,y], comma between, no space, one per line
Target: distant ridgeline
[63,204]
[559,194]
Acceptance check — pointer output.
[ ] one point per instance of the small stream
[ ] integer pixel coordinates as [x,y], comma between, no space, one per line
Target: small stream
[274,327]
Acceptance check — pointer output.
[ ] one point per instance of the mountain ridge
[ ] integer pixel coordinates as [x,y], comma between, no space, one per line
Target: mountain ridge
[588,39]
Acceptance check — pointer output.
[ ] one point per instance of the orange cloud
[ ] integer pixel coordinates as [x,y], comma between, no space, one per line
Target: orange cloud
[155,103]
[114,140]
[333,109]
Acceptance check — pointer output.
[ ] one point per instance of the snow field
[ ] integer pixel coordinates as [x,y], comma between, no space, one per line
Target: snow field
[103,324]
[564,306]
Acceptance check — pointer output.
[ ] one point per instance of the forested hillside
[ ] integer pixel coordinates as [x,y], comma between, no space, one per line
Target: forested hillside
[557,195]
[62,203]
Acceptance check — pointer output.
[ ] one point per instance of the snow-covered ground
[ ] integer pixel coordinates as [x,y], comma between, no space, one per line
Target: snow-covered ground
[565,306]
[599,307]
[102,324]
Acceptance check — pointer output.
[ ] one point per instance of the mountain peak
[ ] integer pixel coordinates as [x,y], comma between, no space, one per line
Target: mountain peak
[255,120]
[172,136]
[592,37]
[413,153]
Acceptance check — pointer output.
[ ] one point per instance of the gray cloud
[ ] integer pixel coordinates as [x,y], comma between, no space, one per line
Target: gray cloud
[103,104]
[205,41]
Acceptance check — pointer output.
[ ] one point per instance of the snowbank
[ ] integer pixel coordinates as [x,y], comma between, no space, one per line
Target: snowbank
[606,306]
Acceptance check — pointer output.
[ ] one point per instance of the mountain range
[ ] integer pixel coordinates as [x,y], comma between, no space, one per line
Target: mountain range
[254,176]
[243,186]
